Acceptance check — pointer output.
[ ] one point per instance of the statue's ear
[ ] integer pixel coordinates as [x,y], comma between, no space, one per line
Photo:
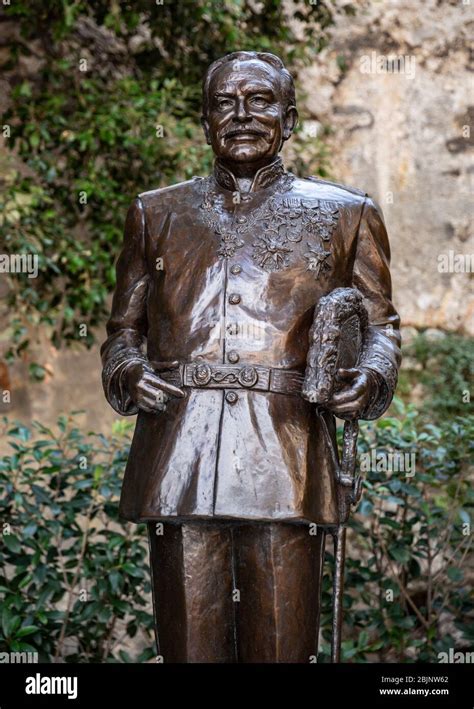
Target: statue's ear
[205,127]
[290,121]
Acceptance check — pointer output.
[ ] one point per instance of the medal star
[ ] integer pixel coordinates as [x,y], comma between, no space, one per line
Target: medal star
[317,260]
[321,221]
[270,253]
[229,243]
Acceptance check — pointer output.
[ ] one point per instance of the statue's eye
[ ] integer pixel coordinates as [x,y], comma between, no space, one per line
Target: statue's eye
[223,103]
[259,101]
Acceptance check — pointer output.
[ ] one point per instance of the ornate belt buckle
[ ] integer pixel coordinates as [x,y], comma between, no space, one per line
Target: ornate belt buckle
[202,375]
[248,377]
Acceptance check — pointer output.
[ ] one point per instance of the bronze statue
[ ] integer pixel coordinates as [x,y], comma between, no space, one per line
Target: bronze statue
[235,471]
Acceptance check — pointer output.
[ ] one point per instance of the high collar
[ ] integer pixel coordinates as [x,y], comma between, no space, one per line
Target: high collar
[264,177]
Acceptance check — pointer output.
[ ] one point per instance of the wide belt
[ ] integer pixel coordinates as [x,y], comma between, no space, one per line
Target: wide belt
[227,376]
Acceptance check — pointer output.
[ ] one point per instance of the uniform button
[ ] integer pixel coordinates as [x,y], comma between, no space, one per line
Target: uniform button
[233,357]
[234,298]
[236,269]
[231,397]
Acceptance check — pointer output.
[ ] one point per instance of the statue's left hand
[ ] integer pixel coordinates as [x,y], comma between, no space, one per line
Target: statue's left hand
[354,394]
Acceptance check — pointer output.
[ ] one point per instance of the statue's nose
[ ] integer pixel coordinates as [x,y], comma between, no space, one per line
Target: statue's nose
[241,113]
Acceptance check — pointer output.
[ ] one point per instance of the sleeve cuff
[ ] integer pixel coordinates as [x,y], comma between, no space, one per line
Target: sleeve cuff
[113,379]
[382,396]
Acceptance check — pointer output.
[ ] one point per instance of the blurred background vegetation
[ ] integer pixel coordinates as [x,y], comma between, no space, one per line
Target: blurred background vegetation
[106,103]
[112,110]
[74,578]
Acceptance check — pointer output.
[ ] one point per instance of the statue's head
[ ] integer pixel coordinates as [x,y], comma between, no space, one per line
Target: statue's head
[249,107]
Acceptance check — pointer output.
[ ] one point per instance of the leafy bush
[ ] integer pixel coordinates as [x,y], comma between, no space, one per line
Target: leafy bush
[408,584]
[75,581]
[443,366]
[112,108]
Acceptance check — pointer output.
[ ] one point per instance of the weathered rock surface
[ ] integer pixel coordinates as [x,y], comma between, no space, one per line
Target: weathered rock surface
[396,85]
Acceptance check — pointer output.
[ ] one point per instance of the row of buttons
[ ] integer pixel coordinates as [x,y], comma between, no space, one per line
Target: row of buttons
[234,299]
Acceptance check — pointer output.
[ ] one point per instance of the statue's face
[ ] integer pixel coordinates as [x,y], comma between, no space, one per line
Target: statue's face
[246,121]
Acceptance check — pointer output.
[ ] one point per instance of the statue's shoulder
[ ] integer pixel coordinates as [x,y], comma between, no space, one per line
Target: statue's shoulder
[177,191]
[338,185]
[332,191]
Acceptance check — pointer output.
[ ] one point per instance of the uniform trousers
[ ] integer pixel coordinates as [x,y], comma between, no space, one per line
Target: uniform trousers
[226,592]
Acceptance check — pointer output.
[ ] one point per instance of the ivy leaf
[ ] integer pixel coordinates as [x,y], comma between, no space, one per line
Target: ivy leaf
[26,630]
[455,574]
[12,543]
[10,622]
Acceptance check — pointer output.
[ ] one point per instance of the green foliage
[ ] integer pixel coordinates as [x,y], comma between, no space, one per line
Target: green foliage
[443,365]
[91,140]
[102,147]
[408,589]
[74,579]
[75,582]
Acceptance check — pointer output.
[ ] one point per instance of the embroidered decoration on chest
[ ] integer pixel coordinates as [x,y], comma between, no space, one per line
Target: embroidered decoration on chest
[276,225]
[280,224]
[321,222]
[220,222]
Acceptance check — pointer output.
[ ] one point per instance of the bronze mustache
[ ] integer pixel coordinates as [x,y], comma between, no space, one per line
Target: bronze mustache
[245,131]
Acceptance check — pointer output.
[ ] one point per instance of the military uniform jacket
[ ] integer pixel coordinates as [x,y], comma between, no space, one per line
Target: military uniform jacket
[209,274]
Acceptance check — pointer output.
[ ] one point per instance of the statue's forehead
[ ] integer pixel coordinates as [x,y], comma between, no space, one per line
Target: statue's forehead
[239,74]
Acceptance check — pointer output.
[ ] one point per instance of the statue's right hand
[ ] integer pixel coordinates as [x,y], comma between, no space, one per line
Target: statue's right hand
[147,390]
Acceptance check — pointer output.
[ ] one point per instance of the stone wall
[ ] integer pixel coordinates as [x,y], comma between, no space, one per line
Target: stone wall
[396,86]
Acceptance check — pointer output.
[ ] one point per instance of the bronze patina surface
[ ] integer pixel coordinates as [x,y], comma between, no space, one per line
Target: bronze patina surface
[217,285]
